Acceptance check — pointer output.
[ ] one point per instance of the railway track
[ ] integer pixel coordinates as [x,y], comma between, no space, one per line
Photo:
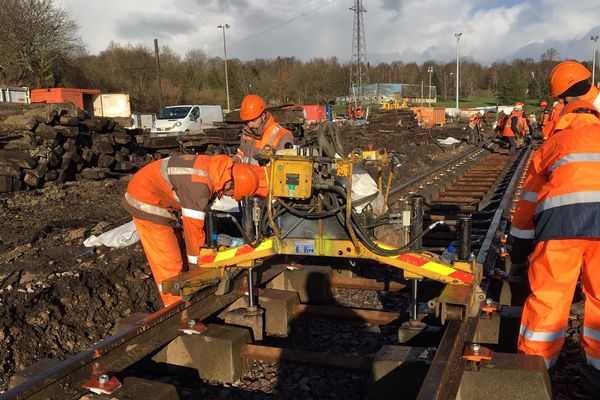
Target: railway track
[369,305]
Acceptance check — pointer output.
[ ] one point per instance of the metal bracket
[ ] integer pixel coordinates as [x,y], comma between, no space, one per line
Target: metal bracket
[489,306]
[475,353]
[103,384]
[192,327]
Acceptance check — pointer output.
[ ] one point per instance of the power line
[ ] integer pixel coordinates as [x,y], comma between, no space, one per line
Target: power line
[278,25]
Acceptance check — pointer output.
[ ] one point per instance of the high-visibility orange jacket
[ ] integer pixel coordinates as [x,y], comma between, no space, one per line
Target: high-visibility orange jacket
[273,135]
[562,121]
[476,120]
[592,96]
[185,184]
[555,112]
[561,193]
[515,125]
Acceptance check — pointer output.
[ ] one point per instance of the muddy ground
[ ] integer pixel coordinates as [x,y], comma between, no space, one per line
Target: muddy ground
[55,300]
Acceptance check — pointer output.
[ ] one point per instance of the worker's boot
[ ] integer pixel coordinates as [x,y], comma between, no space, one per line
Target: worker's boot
[590,380]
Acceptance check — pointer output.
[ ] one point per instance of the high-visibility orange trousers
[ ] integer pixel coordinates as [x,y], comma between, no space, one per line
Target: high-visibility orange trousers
[162,247]
[553,273]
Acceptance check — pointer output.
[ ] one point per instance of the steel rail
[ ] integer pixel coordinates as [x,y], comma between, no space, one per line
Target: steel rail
[405,187]
[443,378]
[131,344]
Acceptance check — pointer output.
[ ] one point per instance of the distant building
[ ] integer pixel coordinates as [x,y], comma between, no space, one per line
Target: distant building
[381,92]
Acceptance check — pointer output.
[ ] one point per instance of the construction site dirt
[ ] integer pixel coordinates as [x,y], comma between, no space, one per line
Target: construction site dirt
[58,297]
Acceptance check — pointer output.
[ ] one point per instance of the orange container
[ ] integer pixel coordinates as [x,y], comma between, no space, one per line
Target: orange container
[430,116]
[82,98]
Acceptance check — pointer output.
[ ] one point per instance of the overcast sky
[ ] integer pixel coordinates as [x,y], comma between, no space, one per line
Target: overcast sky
[407,30]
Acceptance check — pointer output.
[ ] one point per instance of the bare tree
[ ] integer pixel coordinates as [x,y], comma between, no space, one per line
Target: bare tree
[549,55]
[37,40]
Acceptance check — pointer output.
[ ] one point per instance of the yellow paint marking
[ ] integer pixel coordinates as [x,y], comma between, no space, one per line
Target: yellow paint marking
[225,254]
[438,268]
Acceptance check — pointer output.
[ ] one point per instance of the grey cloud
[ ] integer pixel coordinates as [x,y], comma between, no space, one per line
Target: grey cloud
[223,5]
[393,9]
[144,26]
[578,48]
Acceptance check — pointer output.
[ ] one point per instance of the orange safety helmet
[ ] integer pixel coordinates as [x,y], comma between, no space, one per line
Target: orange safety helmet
[252,107]
[245,180]
[565,75]
[543,103]
[519,105]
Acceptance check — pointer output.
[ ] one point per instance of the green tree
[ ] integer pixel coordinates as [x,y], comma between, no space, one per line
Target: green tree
[512,87]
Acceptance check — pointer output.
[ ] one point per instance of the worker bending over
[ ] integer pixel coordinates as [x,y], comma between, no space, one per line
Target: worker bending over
[559,213]
[475,128]
[261,130]
[184,185]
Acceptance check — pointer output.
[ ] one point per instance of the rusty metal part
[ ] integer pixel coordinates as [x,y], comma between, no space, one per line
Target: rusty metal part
[477,353]
[413,184]
[353,314]
[444,375]
[365,284]
[266,353]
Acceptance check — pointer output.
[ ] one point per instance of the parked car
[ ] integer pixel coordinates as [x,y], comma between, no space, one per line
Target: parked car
[186,119]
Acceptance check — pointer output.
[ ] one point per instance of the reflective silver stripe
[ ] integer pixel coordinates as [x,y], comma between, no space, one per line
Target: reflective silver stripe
[577,157]
[550,362]
[591,333]
[594,362]
[567,199]
[150,209]
[159,286]
[522,233]
[192,259]
[187,171]
[164,164]
[272,136]
[529,196]
[188,212]
[530,334]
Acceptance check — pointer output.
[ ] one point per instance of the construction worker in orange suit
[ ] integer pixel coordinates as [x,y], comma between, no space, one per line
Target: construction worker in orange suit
[544,115]
[559,213]
[557,107]
[569,81]
[183,184]
[475,128]
[515,127]
[261,130]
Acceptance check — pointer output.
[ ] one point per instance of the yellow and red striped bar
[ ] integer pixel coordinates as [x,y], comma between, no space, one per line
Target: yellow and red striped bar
[437,268]
[418,264]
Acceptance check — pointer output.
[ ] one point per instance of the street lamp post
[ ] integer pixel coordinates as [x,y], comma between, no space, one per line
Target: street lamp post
[223,27]
[430,71]
[594,39]
[457,36]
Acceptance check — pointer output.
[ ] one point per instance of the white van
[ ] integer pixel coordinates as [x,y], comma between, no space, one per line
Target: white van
[186,119]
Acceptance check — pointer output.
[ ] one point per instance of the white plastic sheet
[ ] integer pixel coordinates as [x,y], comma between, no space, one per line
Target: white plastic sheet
[121,236]
[363,185]
[225,204]
[449,140]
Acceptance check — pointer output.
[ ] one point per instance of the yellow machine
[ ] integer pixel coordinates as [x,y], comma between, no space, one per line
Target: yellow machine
[310,212]
[397,103]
